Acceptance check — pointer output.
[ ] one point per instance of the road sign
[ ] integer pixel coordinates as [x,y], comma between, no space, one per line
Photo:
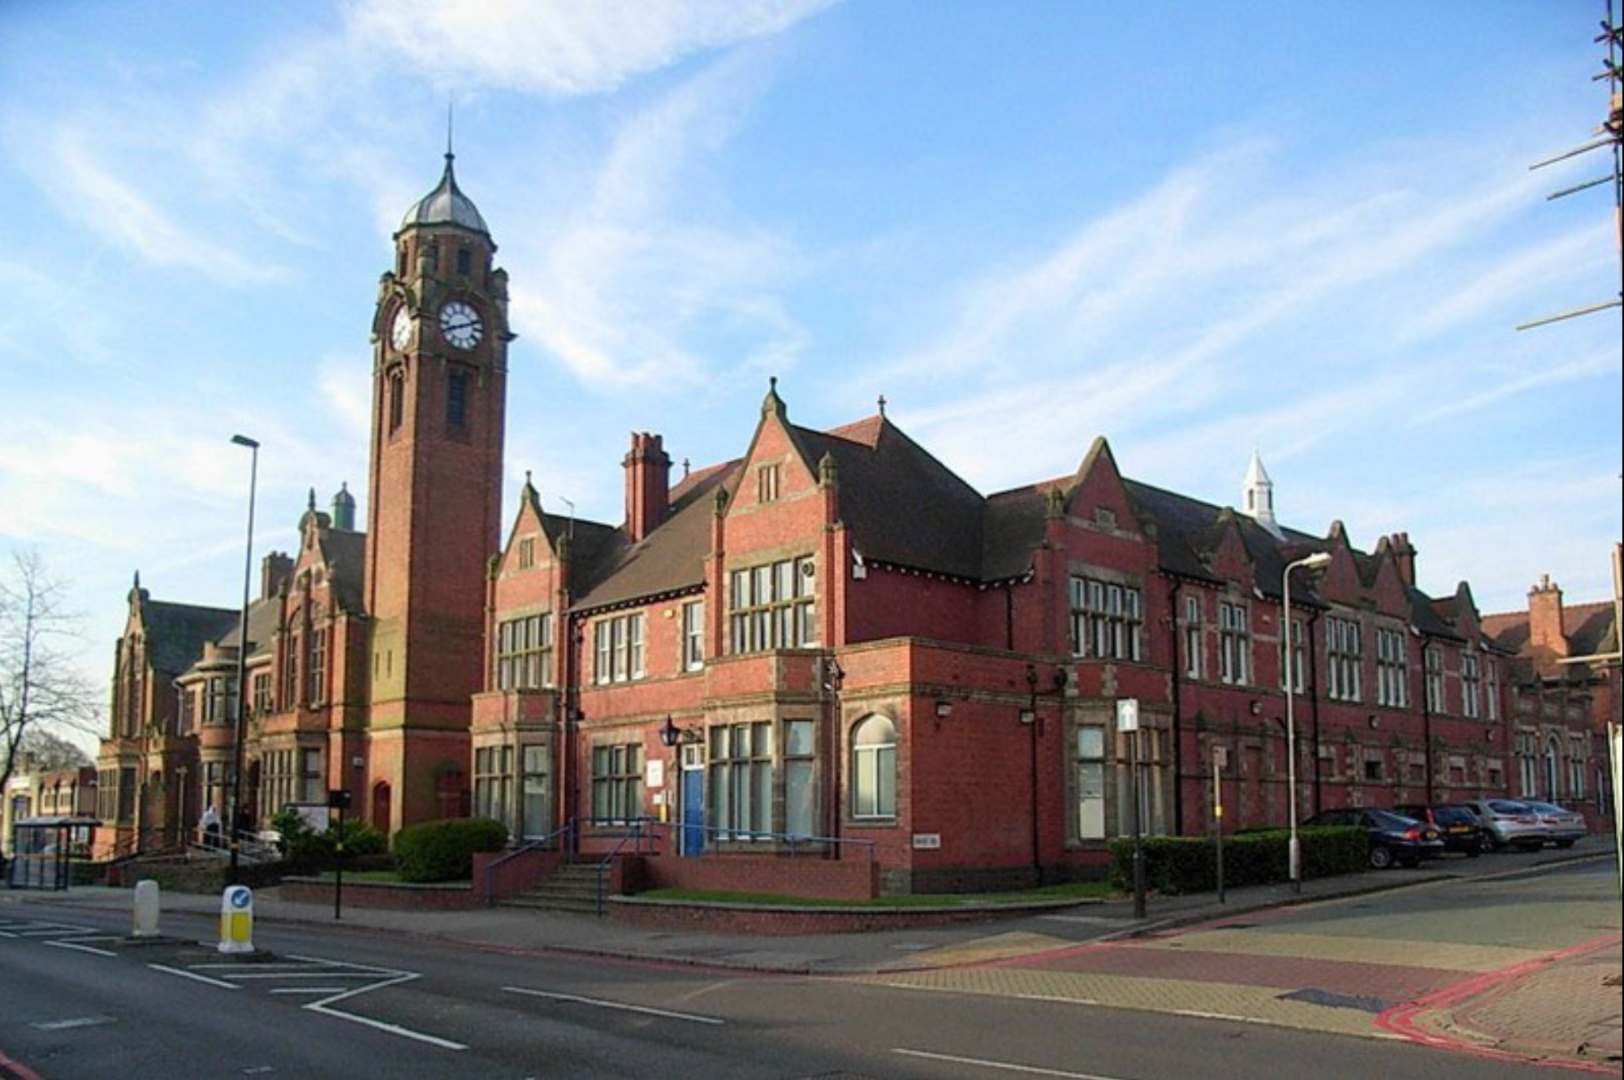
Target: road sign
[1128,714]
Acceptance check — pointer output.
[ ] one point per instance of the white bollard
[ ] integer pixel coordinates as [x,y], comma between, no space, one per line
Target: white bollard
[237,920]
[146,909]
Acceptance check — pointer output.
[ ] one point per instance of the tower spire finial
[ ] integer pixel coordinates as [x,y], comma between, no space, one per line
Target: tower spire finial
[449,103]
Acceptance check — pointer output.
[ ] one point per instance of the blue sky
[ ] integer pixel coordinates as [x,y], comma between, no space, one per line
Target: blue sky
[1194,228]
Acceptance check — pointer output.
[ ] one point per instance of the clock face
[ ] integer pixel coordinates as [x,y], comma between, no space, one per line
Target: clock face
[461,325]
[400,331]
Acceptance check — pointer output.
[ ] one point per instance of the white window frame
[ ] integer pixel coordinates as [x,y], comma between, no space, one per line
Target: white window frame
[870,763]
[1107,620]
[1235,643]
[1192,637]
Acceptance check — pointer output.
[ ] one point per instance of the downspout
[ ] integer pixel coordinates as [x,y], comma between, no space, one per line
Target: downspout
[1313,693]
[1009,615]
[1426,719]
[1178,728]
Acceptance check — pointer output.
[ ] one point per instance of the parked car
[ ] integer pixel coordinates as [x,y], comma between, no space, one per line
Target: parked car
[1562,827]
[1508,823]
[1393,837]
[1457,823]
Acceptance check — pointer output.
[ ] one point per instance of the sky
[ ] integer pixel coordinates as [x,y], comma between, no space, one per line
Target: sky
[1196,229]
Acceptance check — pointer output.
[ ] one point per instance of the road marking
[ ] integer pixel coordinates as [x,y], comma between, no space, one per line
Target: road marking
[303,966]
[396,978]
[305,974]
[649,1010]
[393,1029]
[73,1022]
[307,989]
[80,948]
[194,976]
[1004,1065]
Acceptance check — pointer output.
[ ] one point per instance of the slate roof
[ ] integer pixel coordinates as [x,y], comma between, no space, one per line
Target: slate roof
[263,616]
[1590,629]
[607,570]
[175,633]
[902,505]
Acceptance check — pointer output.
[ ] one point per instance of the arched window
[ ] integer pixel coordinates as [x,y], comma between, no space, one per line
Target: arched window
[1553,768]
[874,768]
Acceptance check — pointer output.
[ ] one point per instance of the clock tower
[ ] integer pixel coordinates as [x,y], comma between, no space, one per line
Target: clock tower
[439,385]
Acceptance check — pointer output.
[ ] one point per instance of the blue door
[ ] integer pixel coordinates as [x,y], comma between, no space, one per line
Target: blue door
[693,810]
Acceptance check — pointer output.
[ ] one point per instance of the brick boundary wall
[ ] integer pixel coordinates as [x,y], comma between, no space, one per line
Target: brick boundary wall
[769,922]
[390,897]
[813,876]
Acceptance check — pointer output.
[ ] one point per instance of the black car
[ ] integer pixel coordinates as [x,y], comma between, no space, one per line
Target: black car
[1393,838]
[1457,824]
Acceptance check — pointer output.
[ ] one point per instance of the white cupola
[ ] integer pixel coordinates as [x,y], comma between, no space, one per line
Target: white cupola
[1257,497]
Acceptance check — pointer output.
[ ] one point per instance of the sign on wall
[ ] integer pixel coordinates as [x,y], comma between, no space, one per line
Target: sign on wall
[1128,714]
[927,841]
[654,773]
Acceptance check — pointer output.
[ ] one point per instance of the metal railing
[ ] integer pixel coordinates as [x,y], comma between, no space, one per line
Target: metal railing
[552,839]
[793,840]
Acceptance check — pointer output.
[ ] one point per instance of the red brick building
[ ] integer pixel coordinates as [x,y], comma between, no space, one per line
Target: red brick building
[828,658]
[1565,690]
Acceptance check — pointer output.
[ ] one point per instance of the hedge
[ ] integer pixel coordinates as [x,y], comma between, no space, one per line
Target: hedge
[444,850]
[311,852]
[1184,864]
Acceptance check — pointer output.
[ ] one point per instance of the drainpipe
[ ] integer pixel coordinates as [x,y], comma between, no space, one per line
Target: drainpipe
[1178,728]
[1426,719]
[1313,693]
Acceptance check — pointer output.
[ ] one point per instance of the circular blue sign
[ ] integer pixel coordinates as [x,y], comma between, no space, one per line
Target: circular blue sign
[241,897]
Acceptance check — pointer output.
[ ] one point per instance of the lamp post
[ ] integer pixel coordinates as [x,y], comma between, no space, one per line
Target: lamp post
[1308,562]
[242,659]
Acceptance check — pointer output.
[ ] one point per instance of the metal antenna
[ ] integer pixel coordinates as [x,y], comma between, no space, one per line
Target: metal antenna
[1611,134]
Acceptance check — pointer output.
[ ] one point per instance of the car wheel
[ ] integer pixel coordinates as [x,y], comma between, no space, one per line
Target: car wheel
[1564,843]
[1380,858]
[1487,843]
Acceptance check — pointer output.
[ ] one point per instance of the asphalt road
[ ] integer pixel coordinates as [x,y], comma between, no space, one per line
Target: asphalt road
[76,1001]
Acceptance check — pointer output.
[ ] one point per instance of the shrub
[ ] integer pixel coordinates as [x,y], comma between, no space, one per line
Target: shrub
[308,851]
[444,850]
[1182,864]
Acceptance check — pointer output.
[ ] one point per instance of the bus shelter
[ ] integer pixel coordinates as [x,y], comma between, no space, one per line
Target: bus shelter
[44,850]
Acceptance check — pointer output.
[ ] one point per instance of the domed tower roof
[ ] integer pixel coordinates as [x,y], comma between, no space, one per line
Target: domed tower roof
[446,205]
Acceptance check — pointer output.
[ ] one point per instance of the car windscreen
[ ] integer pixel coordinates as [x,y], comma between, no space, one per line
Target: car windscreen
[1504,806]
[1453,815]
[1383,819]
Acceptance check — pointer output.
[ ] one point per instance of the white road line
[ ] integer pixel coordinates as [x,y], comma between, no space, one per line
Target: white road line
[307,989]
[393,1029]
[73,1022]
[248,965]
[305,974]
[55,931]
[1004,1065]
[79,948]
[344,963]
[94,937]
[7,933]
[194,976]
[614,1005]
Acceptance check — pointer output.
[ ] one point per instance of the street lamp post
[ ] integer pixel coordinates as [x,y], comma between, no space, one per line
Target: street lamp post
[242,661]
[1295,855]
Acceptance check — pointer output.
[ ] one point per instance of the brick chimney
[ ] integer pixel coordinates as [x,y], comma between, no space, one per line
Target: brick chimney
[1545,629]
[648,482]
[274,569]
[1403,557]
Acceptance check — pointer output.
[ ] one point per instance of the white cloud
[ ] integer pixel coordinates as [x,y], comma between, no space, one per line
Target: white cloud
[562,48]
[637,276]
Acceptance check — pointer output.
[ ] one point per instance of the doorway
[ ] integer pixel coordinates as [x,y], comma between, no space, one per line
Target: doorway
[693,800]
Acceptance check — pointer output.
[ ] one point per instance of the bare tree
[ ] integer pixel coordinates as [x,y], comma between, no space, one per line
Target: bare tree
[40,688]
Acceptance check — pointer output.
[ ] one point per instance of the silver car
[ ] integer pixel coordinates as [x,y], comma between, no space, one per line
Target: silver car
[1562,827]
[1508,823]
